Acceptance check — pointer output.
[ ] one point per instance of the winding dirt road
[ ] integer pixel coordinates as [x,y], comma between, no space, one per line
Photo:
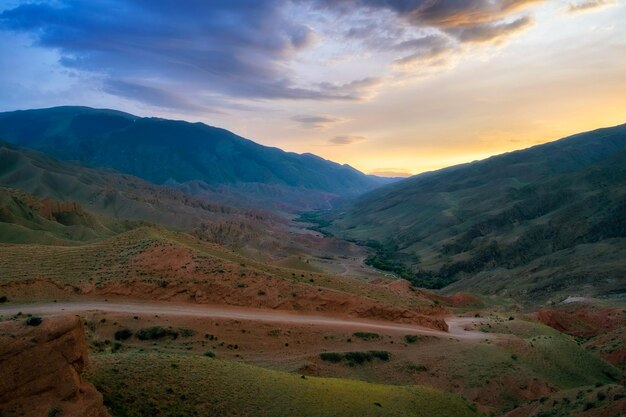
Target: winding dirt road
[456,324]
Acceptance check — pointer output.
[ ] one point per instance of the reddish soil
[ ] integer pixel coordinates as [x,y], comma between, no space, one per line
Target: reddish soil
[259,292]
[40,370]
[583,320]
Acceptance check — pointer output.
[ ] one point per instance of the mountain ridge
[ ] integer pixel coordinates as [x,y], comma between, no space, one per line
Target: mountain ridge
[527,223]
[174,151]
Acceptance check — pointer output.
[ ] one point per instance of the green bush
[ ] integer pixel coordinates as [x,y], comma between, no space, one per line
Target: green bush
[366,335]
[355,358]
[3,299]
[411,338]
[54,412]
[154,333]
[209,353]
[331,357]
[123,334]
[185,332]
[33,321]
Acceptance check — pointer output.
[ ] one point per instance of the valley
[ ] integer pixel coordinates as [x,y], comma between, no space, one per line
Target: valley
[483,289]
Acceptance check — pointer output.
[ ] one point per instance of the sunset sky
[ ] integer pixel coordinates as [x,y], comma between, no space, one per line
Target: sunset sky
[394,87]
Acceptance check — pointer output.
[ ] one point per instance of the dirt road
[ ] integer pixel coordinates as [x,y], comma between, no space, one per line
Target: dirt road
[456,324]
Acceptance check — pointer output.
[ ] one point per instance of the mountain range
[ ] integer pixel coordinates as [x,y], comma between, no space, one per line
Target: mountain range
[191,155]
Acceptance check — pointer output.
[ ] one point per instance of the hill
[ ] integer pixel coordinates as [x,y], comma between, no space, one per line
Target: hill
[176,152]
[549,221]
[215,387]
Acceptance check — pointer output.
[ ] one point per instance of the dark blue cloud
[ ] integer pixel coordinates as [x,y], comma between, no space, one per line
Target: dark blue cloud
[191,54]
[237,48]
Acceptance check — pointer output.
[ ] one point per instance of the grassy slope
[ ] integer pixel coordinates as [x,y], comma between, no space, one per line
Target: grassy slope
[130,257]
[528,212]
[111,194]
[145,384]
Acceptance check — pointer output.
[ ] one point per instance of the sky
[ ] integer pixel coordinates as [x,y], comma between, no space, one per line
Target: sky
[391,87]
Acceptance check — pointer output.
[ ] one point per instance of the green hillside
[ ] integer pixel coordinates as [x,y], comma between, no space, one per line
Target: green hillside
[144,384]
[168,151]
[549,221]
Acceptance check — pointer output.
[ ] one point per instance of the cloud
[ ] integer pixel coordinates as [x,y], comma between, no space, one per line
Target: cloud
[429,34]
[202,54]
[490,32]
[588,5]
[346,140]
[167,52]
[317,122]
[154,95]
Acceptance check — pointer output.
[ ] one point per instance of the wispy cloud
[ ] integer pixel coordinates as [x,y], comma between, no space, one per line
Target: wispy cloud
[346,140]
[317,121]
[589,5]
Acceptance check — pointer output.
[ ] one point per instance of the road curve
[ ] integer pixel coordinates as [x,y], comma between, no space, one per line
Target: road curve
[456,324]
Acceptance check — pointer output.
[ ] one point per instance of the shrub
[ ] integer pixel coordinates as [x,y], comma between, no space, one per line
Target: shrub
[358,357]
[331,357]
[3,299]
[416,368]
[411,338]
[589,405]
[366,335]
[33,321]
[154,333]
[185,332]
[209,353]
[383,355]
[54,412]
[355,358]
[123,334]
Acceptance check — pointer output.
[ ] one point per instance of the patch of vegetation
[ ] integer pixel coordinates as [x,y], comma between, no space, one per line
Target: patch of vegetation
[413,367]
[355,358]
[123,334]
[412,338]
[209,353]
[366,335]
[388,258]
[33,321]
[155,333]
[3,299]
[319,220]
[54,412]
[331,357]
[186,332]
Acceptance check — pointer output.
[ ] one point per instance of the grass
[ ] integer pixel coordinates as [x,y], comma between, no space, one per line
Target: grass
[556,356]
[146,384]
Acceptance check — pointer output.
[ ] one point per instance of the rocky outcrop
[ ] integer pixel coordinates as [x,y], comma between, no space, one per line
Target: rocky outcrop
[40,370]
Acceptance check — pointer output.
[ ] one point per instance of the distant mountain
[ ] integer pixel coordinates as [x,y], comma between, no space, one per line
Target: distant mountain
[174,152]
[549,221]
